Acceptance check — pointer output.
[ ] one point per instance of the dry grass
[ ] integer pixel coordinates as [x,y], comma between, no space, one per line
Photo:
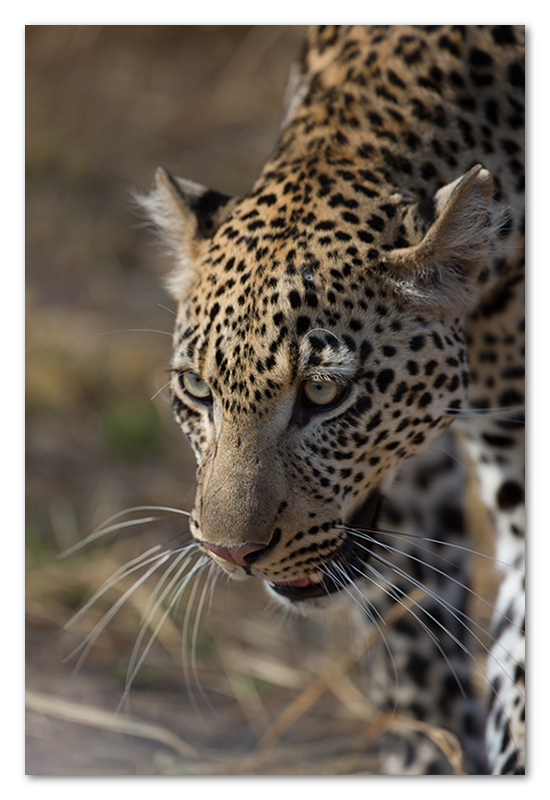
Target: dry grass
[258,702]
[105,106]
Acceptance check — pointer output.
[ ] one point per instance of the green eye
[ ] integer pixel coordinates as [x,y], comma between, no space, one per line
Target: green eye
[194,385]
[322,393]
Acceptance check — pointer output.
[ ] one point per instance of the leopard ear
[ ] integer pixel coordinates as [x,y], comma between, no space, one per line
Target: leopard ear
[185,215]
[444,266]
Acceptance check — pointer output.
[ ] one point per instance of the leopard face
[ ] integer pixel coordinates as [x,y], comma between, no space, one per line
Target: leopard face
[302,382]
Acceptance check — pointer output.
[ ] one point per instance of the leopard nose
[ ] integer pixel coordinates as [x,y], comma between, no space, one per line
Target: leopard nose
[241,555]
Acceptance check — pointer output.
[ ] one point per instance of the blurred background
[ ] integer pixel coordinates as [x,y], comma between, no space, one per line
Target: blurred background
[105,105]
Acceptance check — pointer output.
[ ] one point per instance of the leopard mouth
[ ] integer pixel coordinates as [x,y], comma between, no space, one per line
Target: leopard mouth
[347,560]
[298,593]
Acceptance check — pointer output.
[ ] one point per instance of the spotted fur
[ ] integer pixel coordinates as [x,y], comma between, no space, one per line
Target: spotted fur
[331,325]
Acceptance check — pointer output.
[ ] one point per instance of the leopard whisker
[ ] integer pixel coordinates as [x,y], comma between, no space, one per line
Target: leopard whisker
[103,532]
[89,641]
[155,602]
[187,552]
[501,411]
[362,534]
[396,595]
[207,591]
[106,526]
[365,605]
[134,665]
[370,609]
[187,637]
[170,310]
[196,622]
[431,567]
[456,613]
[406,535]
[162,388]
[119,574]
[189,640]
[133,330]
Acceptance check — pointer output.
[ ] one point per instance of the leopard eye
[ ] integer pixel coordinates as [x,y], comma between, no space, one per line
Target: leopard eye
[194,385]
[322,393]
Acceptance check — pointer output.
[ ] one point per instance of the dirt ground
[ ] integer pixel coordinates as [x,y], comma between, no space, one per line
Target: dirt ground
[105,105]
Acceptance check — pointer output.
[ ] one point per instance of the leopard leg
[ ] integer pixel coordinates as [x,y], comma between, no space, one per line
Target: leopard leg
[495,438]
[422,666]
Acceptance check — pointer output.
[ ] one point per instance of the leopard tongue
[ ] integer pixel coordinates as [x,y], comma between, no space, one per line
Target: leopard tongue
[298,584]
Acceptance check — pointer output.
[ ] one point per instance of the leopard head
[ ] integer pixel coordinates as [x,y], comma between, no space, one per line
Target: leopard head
[311,359]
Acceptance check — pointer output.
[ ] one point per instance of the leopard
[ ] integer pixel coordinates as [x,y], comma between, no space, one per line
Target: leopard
[349,350]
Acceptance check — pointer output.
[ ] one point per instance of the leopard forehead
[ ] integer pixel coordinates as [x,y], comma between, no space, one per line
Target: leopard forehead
[271,275]
[298,316]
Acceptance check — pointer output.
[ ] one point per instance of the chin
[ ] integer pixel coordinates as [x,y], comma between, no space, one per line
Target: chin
[305,601]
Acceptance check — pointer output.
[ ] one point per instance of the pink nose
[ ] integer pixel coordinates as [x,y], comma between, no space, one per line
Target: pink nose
[235,555]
